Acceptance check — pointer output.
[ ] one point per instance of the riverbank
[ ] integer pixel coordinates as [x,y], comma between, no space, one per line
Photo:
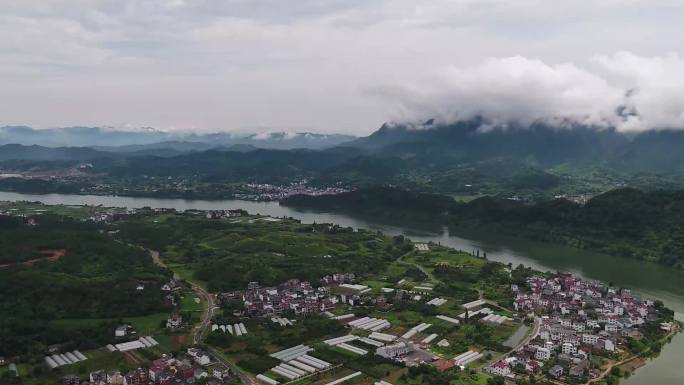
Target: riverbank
[629,365]
[623,222]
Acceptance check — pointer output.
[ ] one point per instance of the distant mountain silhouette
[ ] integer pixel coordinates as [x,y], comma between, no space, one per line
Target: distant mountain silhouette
[650,151]
[40,153]
[108,137]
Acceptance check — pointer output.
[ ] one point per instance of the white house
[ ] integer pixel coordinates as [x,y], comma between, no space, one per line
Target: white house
[609,345]
[542,354]
[501,368]
[121,331]
[569,348]
[590,339]
[199,356]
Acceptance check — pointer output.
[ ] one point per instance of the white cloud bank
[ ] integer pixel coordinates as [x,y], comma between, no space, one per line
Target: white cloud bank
[308,64]
[625,91]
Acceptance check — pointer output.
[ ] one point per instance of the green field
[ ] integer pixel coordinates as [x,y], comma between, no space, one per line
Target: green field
[189,303]
[145,325]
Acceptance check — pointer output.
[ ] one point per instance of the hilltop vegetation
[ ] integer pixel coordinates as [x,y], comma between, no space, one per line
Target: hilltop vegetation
[228,255]
[625,222]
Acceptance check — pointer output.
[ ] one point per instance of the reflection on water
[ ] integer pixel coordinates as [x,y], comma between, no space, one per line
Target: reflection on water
[650,279]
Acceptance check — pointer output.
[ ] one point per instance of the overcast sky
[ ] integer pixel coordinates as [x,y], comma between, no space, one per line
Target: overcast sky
[339,65]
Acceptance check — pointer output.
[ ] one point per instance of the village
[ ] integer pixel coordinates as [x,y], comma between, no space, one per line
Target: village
[271,192]
[563,329]
[579,324]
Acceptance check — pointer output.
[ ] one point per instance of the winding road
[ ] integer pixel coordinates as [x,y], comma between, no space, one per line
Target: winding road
[201,330]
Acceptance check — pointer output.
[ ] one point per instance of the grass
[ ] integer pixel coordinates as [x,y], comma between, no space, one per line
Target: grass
[376,284]
[396,270]
[31,208]
[443,255]
[144,325]
[186,273]
[457,378]
[189,303]
[466,198]
[150,325]
[405,319]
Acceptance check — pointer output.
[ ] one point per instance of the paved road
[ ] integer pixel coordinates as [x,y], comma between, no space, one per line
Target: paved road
[246,379]
[204,326]
[533,335]
[201,330]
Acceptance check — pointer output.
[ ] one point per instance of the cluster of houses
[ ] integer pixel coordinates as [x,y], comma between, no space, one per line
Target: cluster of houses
[293,296]
[269,192]
[223,214]
[175,322]
[111,215]
[171,289]
[185,368]
[576,319]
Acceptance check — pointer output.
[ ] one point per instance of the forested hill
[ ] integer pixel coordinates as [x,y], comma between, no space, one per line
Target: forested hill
[546,146]
[91,277]
[625,222]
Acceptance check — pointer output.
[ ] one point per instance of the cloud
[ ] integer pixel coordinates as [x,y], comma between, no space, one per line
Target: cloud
[628,92]
[655,87]
[270,65]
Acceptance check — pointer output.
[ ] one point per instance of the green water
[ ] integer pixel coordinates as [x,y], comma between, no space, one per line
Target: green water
[649,279]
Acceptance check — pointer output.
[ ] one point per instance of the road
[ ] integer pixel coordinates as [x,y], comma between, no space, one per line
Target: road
[201,330]
[203,327]
[531,336]
[246,379]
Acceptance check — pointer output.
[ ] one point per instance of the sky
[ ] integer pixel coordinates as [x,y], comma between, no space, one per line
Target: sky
[342,66]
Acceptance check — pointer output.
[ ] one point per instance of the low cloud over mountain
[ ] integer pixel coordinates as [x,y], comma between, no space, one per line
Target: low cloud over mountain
[625,91]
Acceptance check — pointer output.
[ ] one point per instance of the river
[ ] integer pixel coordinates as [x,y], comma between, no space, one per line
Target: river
[649,279]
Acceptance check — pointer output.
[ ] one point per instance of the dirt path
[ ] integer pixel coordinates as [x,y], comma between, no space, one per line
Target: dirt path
[157,259]
[50,256]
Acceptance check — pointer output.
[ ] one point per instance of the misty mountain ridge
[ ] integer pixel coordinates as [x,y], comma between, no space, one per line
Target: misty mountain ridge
[41,153]
[546,145]
[110,137]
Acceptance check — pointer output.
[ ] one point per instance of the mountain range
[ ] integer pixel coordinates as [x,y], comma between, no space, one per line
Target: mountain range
[547,146]
[144,138]
[465,158]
